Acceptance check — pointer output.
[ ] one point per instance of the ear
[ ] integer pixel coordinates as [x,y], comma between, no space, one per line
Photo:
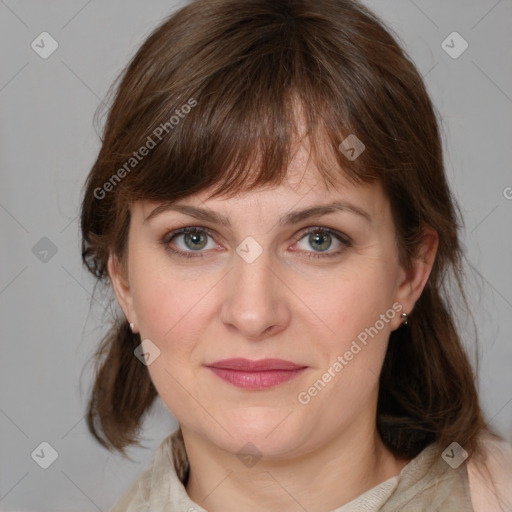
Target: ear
[412,281]
[121,286]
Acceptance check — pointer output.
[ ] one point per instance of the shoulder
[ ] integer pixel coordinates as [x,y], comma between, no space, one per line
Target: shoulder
[490,477]
[136,497]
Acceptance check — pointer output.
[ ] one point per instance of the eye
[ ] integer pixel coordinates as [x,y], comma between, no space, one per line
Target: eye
[321,239]
[189,242]
[193,239]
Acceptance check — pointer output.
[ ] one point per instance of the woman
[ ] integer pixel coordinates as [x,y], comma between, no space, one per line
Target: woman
[270,208]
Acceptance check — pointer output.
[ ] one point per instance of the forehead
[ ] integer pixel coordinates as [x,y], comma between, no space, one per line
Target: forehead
[302,188]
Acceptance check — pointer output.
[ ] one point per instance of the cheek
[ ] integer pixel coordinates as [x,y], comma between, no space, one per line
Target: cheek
[358,310]
[171,311]
[166,300]
[348,301]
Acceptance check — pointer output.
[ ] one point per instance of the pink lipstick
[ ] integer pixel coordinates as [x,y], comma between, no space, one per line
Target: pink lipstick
[261,374]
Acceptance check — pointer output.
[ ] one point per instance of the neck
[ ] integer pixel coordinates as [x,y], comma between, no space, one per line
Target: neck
[324,479]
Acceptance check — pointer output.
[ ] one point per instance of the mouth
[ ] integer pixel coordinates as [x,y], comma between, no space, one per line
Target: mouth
[261,374]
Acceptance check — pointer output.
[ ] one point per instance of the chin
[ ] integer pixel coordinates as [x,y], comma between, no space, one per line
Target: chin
[272,432]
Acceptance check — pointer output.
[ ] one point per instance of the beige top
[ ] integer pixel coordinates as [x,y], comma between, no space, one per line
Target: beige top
[426,484]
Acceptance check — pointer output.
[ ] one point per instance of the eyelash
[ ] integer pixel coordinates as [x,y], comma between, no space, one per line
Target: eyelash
[170,236]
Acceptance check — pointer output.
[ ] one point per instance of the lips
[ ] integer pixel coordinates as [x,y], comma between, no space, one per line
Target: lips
[254,366]
[249,374]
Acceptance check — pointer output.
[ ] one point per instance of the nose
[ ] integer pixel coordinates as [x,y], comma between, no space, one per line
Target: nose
[255,301]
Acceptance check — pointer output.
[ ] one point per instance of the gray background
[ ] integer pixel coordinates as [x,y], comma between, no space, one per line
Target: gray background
[47,145]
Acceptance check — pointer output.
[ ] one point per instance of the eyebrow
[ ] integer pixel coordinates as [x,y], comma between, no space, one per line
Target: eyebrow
[295,217]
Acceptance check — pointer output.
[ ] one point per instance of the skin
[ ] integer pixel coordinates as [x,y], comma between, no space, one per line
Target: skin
[315,456]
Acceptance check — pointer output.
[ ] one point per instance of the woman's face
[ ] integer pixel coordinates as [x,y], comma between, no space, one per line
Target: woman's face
[322,292]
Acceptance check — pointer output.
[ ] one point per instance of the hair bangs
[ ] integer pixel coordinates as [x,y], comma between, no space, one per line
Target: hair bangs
[247,123]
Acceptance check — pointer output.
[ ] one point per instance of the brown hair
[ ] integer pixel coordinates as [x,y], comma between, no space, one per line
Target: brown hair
[243,68]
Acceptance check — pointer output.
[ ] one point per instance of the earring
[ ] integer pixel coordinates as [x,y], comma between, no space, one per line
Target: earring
[404,316]
[132,326]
